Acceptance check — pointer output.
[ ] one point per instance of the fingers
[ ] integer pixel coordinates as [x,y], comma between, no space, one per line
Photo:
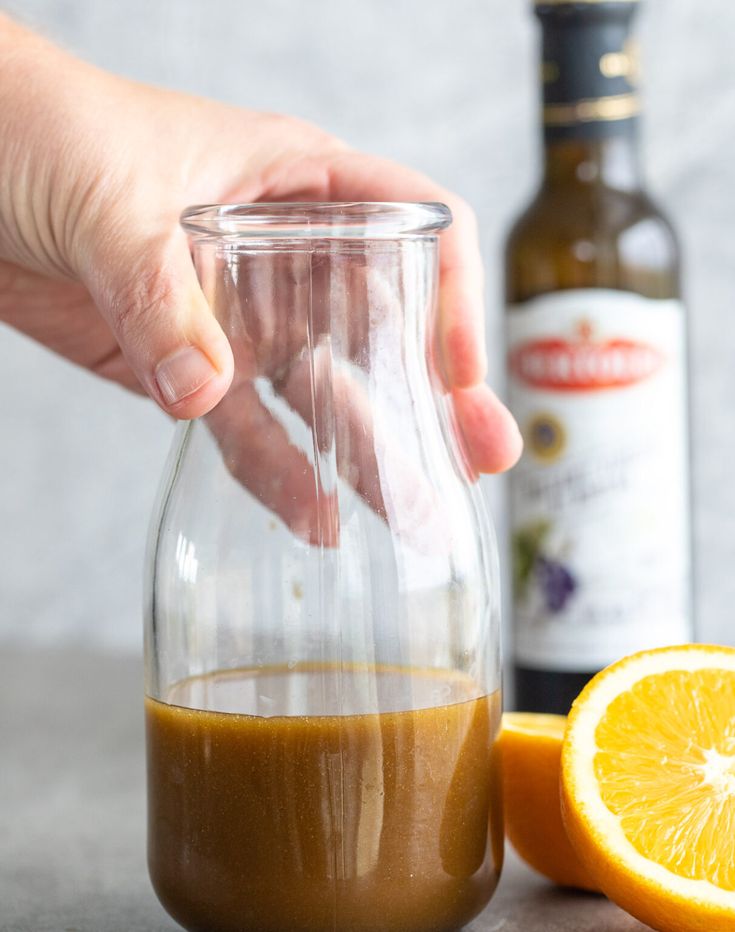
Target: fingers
[383,468]
[337,410]
[461,325]
[147,291]
[259,453]
[492,439]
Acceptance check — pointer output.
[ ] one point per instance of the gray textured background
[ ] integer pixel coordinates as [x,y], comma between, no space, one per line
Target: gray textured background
[445,85]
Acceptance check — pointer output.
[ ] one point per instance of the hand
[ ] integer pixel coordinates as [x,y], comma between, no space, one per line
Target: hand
[333,334]
[93,263]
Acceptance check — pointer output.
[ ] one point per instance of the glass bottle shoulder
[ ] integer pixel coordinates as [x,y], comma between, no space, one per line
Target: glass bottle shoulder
[591,236]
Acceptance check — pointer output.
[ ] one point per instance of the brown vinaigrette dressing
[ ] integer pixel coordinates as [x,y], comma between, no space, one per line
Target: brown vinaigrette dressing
[264,820]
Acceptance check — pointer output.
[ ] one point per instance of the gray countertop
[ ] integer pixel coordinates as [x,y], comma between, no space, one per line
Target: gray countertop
[72,811]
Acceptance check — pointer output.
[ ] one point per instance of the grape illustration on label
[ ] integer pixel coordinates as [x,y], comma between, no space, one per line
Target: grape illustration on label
[530,563]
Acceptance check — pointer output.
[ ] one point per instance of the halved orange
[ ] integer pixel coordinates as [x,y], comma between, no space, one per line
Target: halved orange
[530,748]
[648,786]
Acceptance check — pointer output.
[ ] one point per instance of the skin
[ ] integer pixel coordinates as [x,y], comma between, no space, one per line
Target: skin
[93,264]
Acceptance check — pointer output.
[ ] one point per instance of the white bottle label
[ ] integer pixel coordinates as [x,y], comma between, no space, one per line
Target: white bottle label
[599,516]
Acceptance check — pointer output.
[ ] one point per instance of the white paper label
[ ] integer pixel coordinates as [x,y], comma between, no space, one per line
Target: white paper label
[599,516]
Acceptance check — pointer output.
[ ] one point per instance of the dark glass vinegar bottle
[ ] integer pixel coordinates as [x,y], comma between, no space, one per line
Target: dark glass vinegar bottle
[596,378]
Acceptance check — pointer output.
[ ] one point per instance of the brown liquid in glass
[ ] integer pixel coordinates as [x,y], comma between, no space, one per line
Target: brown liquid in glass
[265,820]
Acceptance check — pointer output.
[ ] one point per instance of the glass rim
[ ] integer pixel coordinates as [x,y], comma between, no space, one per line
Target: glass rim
[299,220]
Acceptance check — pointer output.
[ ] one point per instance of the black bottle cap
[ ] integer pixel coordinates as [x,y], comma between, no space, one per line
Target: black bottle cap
[589,66]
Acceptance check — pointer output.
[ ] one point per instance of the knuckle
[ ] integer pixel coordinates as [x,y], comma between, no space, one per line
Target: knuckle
[145,296]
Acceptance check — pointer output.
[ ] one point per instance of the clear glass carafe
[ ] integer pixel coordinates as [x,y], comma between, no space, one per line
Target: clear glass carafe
[322,658]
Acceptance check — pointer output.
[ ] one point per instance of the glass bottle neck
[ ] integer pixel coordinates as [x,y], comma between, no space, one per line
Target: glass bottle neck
[608,161]
[589,90]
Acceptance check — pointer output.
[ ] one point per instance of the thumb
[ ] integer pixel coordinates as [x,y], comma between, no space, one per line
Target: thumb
[149,294]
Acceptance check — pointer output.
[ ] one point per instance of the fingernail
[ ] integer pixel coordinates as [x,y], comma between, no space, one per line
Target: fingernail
[182,373]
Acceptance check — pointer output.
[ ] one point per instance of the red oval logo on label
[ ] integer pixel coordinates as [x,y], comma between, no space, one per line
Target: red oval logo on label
[583,364]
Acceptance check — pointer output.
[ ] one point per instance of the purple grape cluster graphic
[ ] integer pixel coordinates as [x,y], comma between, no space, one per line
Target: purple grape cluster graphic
[556,581]
[531,564]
